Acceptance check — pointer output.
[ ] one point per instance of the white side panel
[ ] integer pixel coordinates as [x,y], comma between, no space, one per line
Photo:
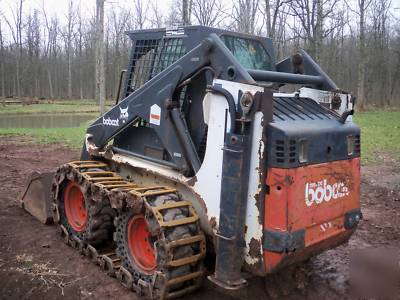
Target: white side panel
[208,183]
[208,178]
[254,228]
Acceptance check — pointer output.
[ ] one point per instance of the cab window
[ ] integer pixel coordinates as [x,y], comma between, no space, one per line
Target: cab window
[250,53]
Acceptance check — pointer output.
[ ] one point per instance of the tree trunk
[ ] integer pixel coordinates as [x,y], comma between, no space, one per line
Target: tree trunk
[50,83]
[100,83]
[17,74]
[318,36]
[361,57]
[186,12]
[2,75]
[2,58]
[268,18]
[69,73]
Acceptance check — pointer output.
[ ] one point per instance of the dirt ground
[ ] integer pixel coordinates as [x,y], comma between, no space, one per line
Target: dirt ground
[36,264]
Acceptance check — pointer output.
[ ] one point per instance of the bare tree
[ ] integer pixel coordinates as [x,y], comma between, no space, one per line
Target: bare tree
[2,59]
[271,11]
[100,89]
[186,11]
[68,37]
[16,32]
[380,46]
[32,54]
[244,15]
[141,9]
[362,9]
[312,15]
[208,12]
[51,28]
[79,42]
[157,19]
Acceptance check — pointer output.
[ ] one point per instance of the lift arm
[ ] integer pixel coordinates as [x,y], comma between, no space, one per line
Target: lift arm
[153,102]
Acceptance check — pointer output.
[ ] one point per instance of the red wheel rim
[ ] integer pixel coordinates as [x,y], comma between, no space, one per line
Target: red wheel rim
[75,208]
[139,243]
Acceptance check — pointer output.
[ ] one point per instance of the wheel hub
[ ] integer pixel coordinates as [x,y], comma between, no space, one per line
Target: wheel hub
[140,245]
[75,208]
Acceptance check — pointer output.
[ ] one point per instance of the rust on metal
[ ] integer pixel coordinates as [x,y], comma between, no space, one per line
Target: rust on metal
[184,278]
[191,219]
[213,222]
[255,248]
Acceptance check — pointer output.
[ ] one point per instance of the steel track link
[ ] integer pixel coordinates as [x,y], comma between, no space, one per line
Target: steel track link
[98,182]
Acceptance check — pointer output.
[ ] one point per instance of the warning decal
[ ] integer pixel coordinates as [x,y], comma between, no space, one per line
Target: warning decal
[155,114]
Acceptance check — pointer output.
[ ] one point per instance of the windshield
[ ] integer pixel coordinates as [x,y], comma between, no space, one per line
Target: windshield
[250,53]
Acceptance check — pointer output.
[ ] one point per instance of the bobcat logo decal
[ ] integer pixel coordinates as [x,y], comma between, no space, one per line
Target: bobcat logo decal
[317,192]
[124,114]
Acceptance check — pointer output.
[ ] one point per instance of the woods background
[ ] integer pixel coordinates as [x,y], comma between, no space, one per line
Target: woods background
[53,55]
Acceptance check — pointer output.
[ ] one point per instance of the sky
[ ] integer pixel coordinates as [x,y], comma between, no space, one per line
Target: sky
[60,7]
[88,6]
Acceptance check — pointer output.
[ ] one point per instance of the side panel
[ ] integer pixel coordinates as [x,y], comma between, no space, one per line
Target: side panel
[309,209]
[208,178]
[254,229]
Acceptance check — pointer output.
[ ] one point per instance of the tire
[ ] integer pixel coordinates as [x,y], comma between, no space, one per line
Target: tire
[156,239]
[97,216]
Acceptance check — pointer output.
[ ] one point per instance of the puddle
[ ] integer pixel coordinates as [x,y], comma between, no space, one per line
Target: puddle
[44,120]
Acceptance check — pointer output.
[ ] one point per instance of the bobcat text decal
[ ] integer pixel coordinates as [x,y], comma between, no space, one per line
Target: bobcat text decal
[110,122]
[322,191]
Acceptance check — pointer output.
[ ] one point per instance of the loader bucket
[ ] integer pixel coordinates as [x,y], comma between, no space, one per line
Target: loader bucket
[36,197]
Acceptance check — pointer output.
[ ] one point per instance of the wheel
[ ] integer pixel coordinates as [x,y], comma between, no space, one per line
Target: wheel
[90,221]
[75,207]
[141,243]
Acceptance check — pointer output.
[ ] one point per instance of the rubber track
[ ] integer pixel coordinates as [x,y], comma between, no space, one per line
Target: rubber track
[123,194]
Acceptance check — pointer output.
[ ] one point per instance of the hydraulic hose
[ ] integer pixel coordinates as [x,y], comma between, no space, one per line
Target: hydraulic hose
[231,103]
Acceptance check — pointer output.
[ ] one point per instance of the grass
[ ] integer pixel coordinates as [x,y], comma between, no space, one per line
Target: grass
[380,133]
[58,106]
[71,137]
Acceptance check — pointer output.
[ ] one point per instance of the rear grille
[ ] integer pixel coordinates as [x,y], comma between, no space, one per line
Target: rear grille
[285,153]
[292,151]
[357,144]
[280,151]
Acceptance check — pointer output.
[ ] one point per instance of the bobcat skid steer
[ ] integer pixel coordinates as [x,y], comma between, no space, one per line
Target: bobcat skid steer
[217,154]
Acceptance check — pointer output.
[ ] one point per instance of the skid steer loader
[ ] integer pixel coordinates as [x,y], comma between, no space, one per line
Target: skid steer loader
[217,162]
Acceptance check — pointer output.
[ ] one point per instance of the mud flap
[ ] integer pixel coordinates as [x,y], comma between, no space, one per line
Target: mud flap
[36,196]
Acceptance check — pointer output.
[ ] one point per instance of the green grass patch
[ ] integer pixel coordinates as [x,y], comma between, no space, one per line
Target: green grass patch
[380,133]
[71,137]
[60,106]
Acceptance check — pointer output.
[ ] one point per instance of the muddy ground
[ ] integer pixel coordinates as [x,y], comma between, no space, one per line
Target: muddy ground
[36,264]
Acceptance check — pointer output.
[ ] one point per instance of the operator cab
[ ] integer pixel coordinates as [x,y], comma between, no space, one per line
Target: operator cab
[155,50]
